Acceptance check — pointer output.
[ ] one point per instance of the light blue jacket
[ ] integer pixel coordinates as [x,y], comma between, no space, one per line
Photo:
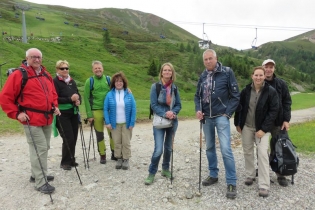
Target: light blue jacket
[110,109]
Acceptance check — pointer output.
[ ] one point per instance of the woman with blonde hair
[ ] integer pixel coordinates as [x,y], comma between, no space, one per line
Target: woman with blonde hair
[165,104]
[67,123]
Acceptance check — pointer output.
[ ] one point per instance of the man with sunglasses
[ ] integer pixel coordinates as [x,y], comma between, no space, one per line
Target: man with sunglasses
[33,106]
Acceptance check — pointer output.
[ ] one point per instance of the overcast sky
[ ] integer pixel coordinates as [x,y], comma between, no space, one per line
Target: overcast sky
[230,23]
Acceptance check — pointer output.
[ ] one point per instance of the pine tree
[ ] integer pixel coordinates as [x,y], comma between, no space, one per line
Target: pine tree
[152,71]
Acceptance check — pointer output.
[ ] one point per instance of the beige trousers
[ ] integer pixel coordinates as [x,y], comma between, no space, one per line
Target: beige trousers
[122,136]
[248,140]
[41,137]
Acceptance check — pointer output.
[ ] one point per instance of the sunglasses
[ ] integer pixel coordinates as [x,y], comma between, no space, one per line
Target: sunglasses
[64,68]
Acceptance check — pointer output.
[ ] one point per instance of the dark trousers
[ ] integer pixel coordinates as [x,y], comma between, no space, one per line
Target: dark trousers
[69,133]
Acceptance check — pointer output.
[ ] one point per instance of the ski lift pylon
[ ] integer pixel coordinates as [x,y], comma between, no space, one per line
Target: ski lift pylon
[254,42]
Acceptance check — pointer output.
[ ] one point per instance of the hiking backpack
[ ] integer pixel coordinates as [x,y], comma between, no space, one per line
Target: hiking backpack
[25,78]
[92,82]
[283,157]
[92,87]
[158,87]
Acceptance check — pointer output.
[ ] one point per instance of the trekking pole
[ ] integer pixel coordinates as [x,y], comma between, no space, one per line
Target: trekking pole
[67,144]
[200,150]
[172,157]
[91,139]
[85,159]
[40,162]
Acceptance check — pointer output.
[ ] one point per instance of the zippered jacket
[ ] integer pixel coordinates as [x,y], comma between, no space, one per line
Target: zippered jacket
[39,94]
[284,97]
[94,99]
[158,103]
[110,109]
[266,109]
[224,93]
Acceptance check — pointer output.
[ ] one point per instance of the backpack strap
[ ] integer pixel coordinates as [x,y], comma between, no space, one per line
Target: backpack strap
[91,83]
[108,80]
[158,88]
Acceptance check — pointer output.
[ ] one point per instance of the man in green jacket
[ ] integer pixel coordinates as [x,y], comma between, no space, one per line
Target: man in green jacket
[94,95]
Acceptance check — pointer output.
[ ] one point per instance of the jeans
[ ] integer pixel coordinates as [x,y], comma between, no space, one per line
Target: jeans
[162,136]
[222,124]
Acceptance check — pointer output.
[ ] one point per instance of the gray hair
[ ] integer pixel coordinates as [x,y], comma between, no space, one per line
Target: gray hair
[33,49]
[96,62]
[209,50]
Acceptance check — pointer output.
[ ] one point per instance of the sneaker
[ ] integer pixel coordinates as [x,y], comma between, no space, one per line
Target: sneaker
[231,191]
[249,181]
[65,167]
[209,181]
[119,163]
[149,180]
[103,159]
[113,156]
[263,192]
[49,178]
[282,181]
[125,164]
[166,173]
[46,188]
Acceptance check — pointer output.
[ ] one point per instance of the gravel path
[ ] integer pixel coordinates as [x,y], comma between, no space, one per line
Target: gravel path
[107,188]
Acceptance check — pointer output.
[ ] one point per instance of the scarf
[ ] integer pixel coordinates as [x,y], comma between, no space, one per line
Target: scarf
[207,88]
[168,88]
[66,80]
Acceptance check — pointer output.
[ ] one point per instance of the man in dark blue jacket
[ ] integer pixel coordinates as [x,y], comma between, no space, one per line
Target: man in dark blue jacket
[284,115]
[216,99]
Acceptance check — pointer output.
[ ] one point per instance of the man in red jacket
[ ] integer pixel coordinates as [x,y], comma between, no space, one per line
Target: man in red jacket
[33,107]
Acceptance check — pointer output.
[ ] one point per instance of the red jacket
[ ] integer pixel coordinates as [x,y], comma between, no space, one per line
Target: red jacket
[39,93]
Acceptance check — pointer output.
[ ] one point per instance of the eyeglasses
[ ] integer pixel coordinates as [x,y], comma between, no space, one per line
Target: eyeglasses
[36,57]
[63,68]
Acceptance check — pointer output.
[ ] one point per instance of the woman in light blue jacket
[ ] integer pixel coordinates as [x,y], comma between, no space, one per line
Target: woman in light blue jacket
[165,102]
[120,118]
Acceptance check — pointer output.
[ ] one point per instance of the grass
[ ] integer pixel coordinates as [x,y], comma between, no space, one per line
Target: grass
[303,101]
[302,136]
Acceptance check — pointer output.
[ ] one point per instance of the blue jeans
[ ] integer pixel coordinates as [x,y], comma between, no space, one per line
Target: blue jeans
[162,136]
[222,124]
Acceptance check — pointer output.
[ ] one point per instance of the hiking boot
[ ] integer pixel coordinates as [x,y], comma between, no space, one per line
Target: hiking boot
[249,181]
[125,164]
[282,181]
[263,192]
[149,180]
[119,163]
[113,156]
[74,164]
[166,173]
[103,159]
[46,188]
[231,191]
[49,178]
[65,167]
[209,181]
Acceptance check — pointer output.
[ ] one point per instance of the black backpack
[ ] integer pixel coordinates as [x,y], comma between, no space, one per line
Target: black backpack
[283,158]
[158,87]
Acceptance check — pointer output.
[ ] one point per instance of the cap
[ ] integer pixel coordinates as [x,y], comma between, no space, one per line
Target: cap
[268,61]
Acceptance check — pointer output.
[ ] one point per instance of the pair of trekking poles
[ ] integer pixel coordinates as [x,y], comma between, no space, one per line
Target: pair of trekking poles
[85,155]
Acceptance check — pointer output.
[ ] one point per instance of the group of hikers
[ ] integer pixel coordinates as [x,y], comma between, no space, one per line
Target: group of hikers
[44,105]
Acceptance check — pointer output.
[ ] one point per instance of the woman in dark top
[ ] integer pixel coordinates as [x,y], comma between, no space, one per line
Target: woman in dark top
[259,108]
[67,123]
